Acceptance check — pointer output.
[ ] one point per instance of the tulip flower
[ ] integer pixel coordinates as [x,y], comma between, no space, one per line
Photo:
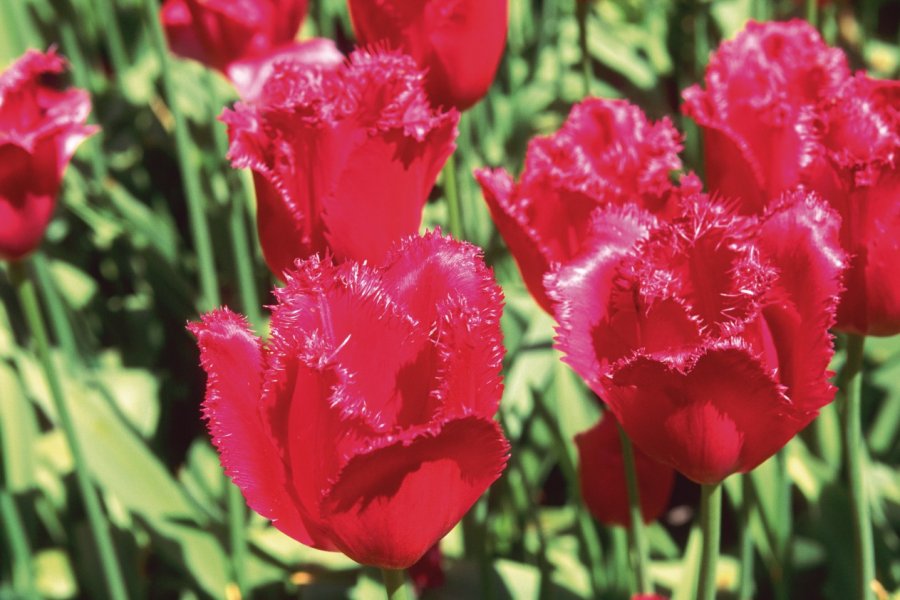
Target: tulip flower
[40,129]
[343,159]
[856,137]
[606,153]
[458,42]
[601,472]
[365,424]
[706,336]
[758,88]
[243,39]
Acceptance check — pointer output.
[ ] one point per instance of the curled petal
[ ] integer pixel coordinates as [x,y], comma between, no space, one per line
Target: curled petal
[723,414]
[582,288]
[800,236]
[388,506]
[232,358]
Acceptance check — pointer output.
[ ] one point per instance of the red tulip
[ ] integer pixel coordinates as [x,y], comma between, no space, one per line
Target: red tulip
[707,336]
[40,128]
[366,423]
[427,573]
[242,38]
[601,472]
[459,42]
[343,159]
[758,87]
[857,139]
[606,153]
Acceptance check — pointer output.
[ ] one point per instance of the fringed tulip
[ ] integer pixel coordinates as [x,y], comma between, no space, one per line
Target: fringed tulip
[365,425]
[601,472]
[458,42]
[243,38]
[40,129]
[343,159]
[706,336]
[857,140]
[758,87]
[607,153]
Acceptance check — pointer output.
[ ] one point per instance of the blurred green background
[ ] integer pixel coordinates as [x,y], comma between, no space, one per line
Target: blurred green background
[119,275]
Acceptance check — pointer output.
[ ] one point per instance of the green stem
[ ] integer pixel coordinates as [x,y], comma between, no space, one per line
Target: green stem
[23,572]
[237,512]
[710,523]
[240,244]
[785,527]
[640,555]
[452,193]
[745,589]
[106,9]
[395,584]
[812,12]
[209,283]
[59,318]
[854,455]
[582,7]
[25,289]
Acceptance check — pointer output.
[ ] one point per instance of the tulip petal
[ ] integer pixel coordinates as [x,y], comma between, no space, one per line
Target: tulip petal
[523,241]
[583,288]
[388,506]
[800,236]
[725,413]
[232,358]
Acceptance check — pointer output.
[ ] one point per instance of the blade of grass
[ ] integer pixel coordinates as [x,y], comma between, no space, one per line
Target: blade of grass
[209,281]
[25,289]
[640,555]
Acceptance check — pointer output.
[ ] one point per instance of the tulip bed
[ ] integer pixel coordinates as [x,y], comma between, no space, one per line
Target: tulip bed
[431,407]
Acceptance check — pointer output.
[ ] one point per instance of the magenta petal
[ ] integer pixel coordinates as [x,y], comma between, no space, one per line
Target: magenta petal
[800,237]
[231,356]
[721,415]
[582,288]
[524,243]
[389,506]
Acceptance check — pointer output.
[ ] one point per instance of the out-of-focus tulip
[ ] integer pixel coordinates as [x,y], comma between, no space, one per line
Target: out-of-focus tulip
[458,42]
[40,129]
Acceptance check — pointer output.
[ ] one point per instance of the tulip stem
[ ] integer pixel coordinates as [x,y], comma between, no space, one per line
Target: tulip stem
[745,589]
[640,555]
[209,283]
[581,10]
[395,584]
[240,244]
[854,455]
[710,524]
[23,572]
[25,289]
[812,12]
[451,191]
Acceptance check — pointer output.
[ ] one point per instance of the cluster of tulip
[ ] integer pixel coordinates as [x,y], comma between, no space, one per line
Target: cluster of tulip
[365,423]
